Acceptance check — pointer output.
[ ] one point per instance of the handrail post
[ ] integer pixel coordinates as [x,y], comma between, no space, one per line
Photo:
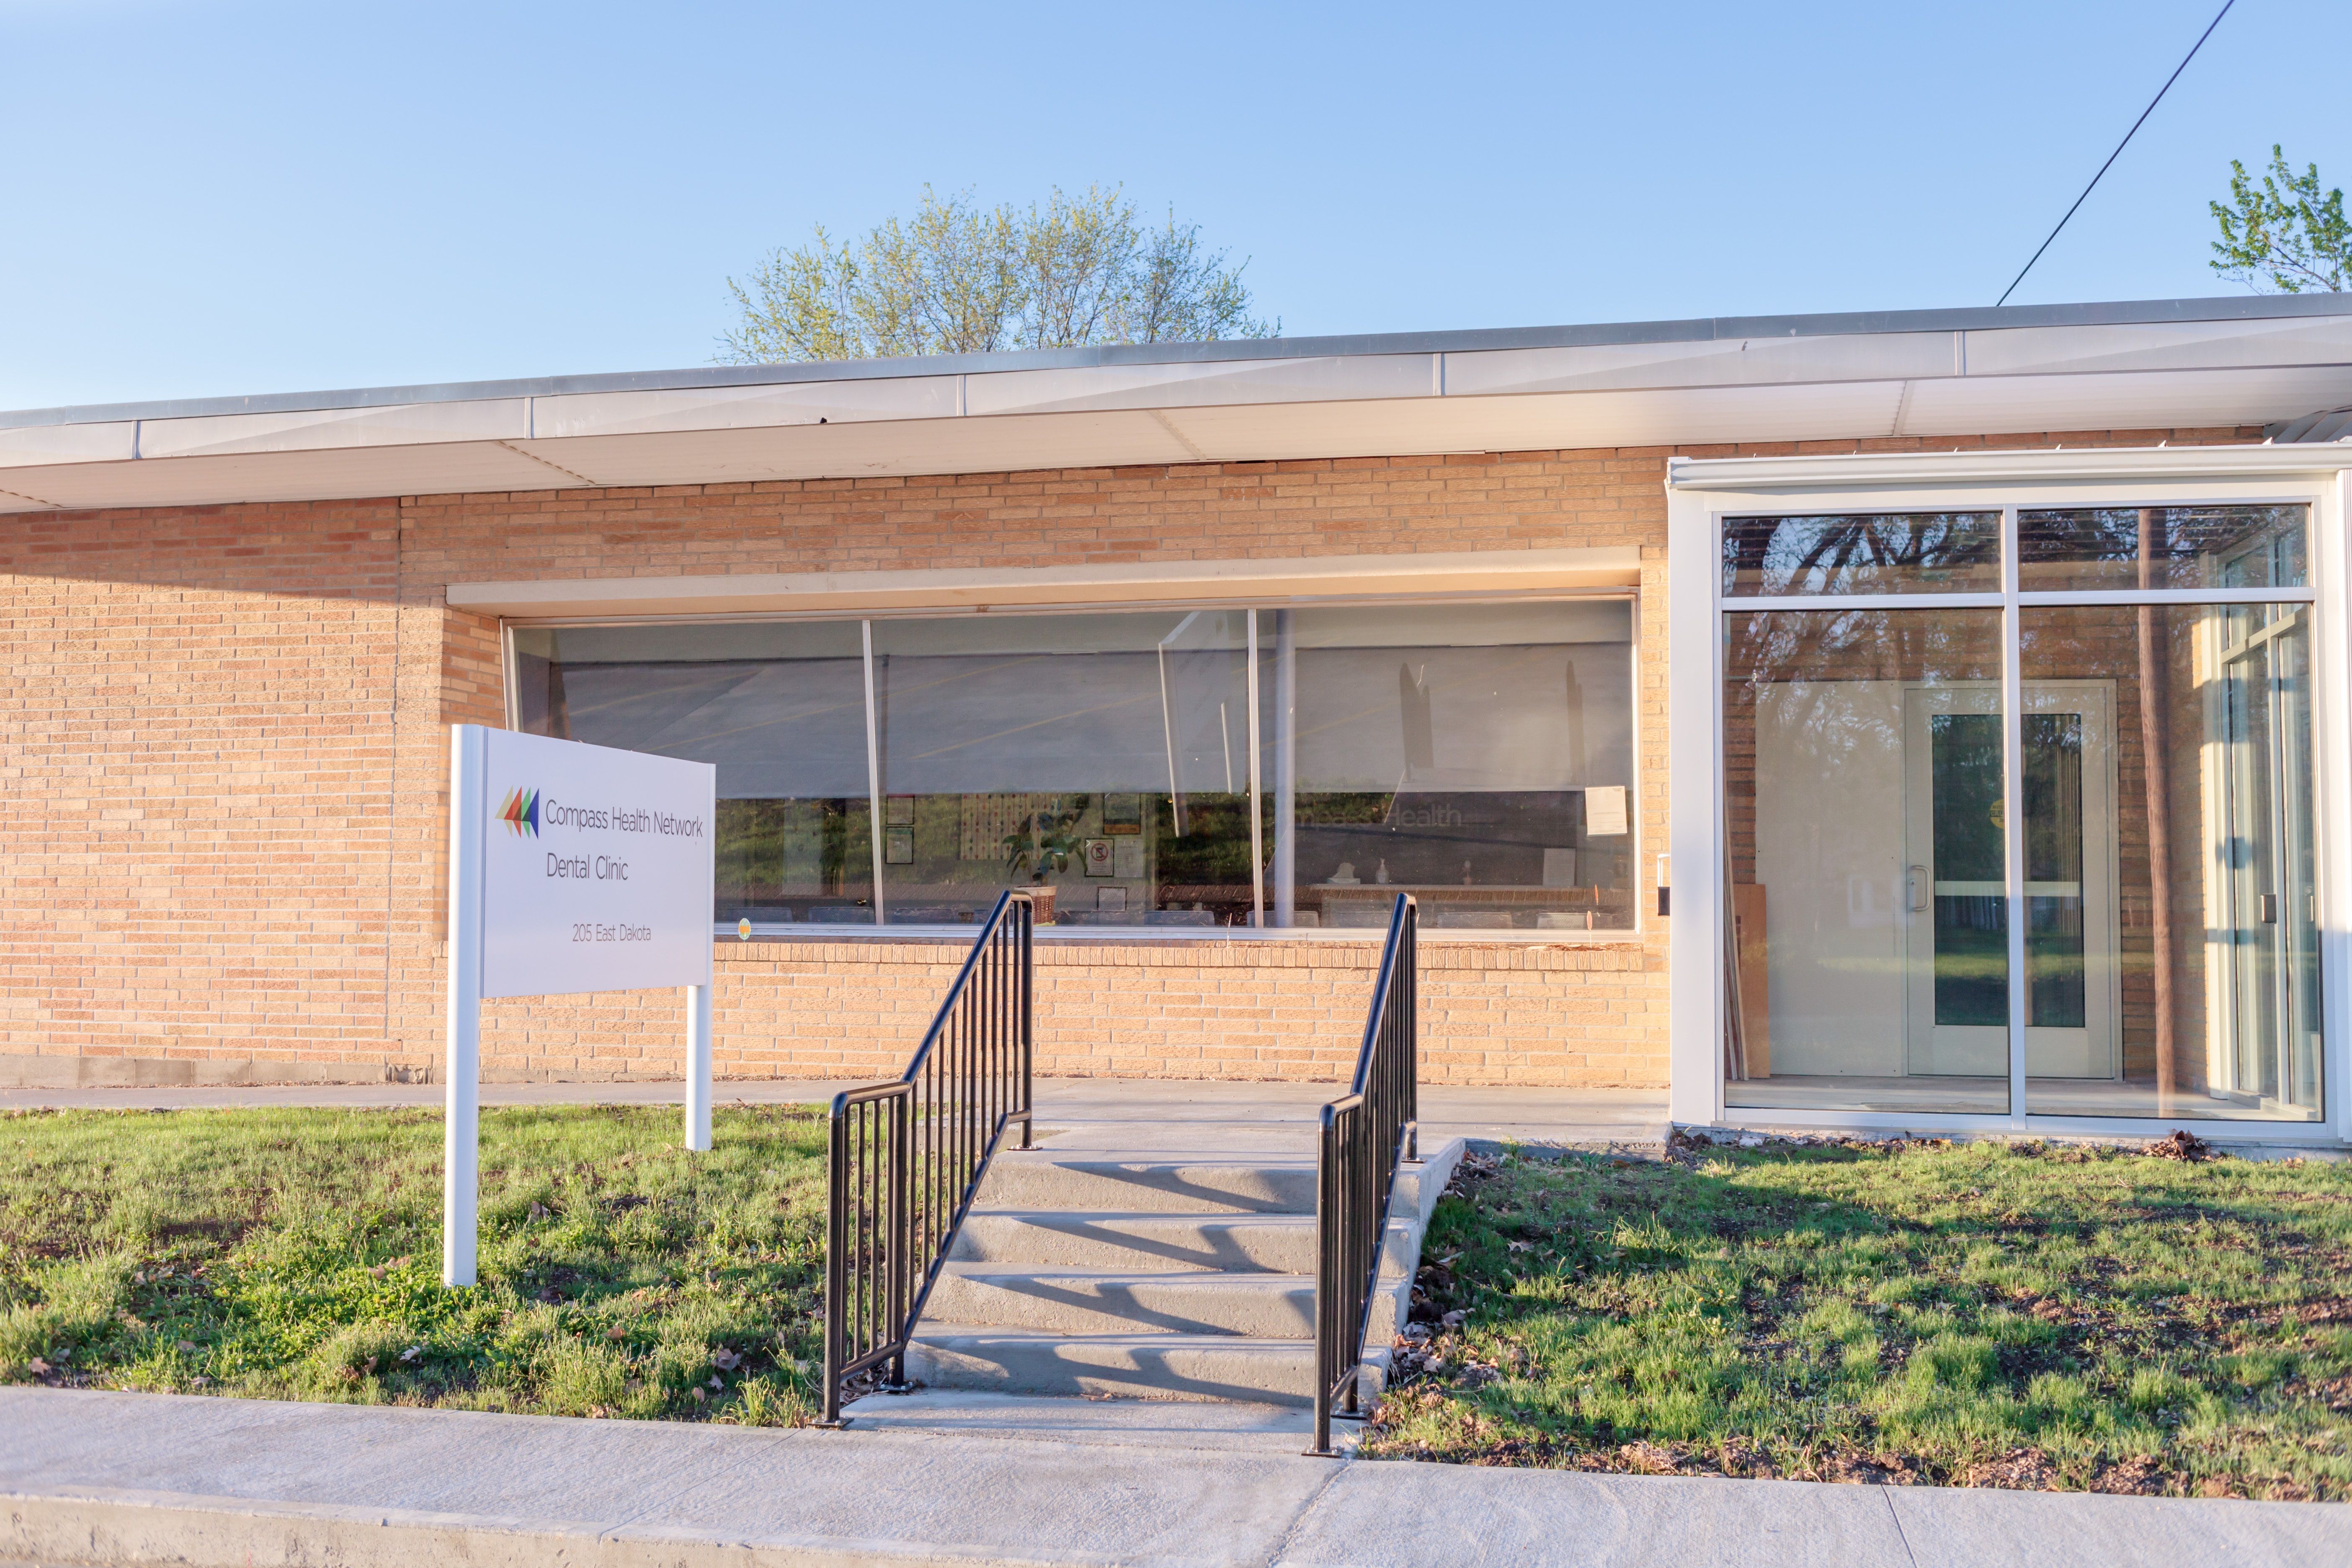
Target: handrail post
[1028,1019]
[900,1231]
[836,1225]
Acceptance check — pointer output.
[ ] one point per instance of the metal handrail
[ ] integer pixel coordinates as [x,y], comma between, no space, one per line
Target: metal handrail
[905,1158]
[1365,1133]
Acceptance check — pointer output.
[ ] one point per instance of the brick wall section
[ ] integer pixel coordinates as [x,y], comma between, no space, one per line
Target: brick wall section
[233,723]
[198,758]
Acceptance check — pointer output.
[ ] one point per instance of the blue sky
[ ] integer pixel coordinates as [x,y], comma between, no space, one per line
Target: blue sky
[225,198]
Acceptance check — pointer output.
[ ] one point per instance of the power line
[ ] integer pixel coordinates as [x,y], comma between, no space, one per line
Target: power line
[2120,146]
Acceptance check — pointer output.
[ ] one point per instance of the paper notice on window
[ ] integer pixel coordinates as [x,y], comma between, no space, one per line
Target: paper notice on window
[1604,811]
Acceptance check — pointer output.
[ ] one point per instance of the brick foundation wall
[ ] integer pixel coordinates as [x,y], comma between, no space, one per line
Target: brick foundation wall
[225,743]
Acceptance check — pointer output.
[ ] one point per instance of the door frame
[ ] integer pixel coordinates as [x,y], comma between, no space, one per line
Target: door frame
[2100,890]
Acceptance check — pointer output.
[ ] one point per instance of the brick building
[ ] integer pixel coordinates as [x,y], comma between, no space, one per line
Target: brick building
[1217,646]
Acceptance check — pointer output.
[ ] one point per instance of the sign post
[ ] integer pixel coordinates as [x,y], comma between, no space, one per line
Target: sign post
[573,868]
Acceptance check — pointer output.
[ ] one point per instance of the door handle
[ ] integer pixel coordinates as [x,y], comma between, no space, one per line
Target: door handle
[1916,888]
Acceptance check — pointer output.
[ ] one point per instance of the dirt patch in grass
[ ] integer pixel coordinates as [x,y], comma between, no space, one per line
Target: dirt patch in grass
[2156,1323]
[296,1255]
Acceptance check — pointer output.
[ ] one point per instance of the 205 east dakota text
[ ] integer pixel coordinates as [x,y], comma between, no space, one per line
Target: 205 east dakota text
[588,930]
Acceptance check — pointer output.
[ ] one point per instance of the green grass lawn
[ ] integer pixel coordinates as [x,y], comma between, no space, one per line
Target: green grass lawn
[297,1254]
[1970,1315]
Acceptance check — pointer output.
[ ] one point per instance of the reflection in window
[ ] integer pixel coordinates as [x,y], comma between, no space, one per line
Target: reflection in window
[781,709]
[2161,547]
[1102,761]
[1862,553]
[2187,888]
[1116,766]
[1481,757]
[1862,784]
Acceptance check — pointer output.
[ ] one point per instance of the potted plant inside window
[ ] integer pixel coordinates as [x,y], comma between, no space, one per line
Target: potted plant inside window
[1046,844]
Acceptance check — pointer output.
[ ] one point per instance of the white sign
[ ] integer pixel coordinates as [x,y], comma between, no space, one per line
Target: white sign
[572,868]
[596,869]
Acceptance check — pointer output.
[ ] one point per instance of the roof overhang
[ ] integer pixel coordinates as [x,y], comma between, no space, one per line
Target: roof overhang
[2161,365]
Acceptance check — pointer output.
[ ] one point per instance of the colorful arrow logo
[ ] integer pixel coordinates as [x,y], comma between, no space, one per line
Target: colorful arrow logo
[520,812]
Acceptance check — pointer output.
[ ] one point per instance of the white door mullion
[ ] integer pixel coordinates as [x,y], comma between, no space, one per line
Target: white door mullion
[2013,810]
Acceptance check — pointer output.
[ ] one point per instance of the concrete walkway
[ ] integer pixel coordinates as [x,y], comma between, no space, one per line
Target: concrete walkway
[136,1480]
[1583,1117]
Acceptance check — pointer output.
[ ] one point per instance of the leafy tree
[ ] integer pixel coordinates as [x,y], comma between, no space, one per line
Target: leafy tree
[962,279]
[2284,236]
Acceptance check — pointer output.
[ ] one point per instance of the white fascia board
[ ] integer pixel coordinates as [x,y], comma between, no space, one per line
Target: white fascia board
[713,408]
[335,429]
[32,445]
[1717,362]
[1435,574]
[2026,466]
[1216,383]
[2160,346]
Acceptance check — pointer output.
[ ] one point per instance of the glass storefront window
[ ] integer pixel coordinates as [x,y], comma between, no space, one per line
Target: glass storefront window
[1862,552]
[2185,877]
[2186,547]
[1862,758]
[1102,760]
[1214,767]
[1479,757]
[780,707]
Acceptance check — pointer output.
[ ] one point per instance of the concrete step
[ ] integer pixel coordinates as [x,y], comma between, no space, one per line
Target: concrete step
[1042,1179]
[1276,1244]
[1157,1243]
[994,1359]
[1111,1301]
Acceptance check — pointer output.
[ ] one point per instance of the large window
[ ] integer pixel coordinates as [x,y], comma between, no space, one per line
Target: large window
[2058,832]
[1288,768]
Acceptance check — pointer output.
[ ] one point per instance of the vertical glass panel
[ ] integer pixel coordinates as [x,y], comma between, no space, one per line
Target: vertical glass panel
[1478,756]
[780,707]
[1862,553]
[1100,761]
[2055,952]
[1970,907]
[2161,547]
[1868,935]
[2171,843]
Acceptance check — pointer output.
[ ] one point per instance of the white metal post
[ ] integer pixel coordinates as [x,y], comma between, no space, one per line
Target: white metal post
[461,1119]
[697,1067]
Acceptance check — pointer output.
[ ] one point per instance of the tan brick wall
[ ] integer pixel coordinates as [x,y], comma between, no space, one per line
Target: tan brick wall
[227,758]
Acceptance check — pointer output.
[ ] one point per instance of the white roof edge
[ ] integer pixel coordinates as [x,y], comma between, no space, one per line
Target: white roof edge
[1696,330]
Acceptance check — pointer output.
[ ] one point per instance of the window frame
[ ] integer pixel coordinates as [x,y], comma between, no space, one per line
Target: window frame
[865,618]
[1697,837]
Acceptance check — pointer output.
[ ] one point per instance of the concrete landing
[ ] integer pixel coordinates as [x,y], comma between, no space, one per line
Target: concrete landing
[135,1481]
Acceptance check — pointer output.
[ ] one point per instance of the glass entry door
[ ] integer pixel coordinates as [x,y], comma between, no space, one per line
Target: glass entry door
[2269,909]
[1955,919]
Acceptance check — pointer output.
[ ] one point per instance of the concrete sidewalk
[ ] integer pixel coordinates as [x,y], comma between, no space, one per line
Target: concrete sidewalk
[1590,1118]
[136,1479]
